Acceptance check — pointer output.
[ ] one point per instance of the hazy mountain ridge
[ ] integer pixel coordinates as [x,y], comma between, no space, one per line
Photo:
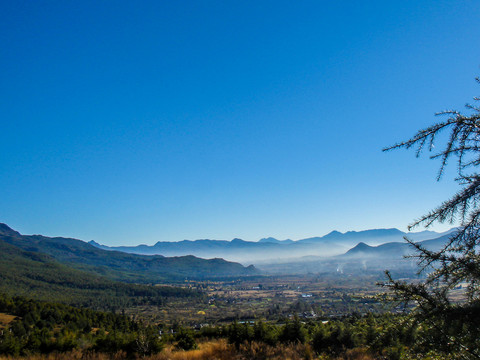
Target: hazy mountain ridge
[362,258]
[395,249]
[275,241]
[270,249]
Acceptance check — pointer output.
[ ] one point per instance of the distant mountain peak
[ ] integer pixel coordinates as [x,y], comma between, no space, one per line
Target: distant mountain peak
[359,248]
[333,234]
[272,240]
[269,240]
[362,245]
[378,232]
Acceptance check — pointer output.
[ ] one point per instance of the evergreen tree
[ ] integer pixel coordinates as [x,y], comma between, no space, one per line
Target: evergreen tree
[450,326]
[293,332]
[185,339]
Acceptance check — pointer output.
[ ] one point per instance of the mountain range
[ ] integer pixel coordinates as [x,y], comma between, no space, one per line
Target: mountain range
[271,249]
[374,249]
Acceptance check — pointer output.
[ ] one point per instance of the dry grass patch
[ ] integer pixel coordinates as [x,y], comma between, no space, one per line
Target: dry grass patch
[214,350]
[6,319]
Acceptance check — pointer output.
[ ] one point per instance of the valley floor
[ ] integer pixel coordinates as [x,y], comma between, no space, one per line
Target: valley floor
[270,298]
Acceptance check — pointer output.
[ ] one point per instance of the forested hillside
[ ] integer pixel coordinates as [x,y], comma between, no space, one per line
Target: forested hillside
[39,276]
[44,327]
[121,266]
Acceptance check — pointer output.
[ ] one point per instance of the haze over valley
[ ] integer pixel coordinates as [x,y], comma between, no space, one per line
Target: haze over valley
[273,250]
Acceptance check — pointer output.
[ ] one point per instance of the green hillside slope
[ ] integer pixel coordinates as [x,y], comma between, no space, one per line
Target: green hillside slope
[121,266]
[39,276]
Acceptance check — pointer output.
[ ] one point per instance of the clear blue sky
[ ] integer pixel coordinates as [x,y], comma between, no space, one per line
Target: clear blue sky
[134,122]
